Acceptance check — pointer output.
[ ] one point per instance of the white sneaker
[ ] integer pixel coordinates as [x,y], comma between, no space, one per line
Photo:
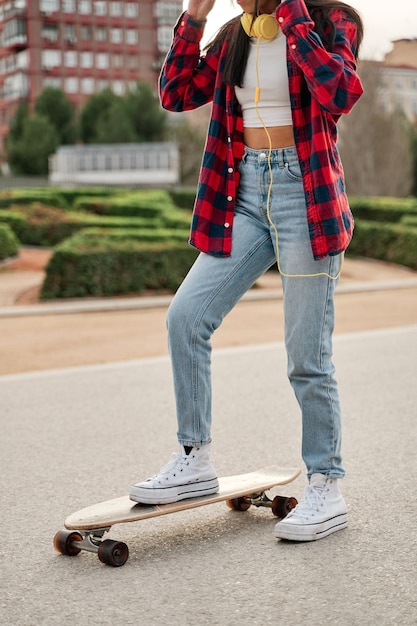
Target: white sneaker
[321,511]
[185,476]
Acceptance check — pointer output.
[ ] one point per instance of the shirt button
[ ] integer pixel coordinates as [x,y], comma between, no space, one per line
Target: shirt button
[226,225]
[280,19]
[182,23]
[293,46]
[230,198]
[230,170]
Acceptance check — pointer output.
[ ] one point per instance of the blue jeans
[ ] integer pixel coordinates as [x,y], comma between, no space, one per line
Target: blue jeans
[215,284]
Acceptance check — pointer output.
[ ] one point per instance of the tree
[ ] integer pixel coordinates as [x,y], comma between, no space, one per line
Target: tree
[29,154]
[54,105]
[143,109]
[95,109]
[114,125]
[374,143]
[16,125]
[190,142]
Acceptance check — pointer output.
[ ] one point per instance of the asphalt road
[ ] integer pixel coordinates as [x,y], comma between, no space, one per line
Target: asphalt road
[72,437]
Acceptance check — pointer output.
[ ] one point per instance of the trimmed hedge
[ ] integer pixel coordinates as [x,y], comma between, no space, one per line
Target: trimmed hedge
[147,204]
[39,225]
[88,235]
[113,267]
[183,198]
[45,196]
[9,244]
[383,209]
[394,243]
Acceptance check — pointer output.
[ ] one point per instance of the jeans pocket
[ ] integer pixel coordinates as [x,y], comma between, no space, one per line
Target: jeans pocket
[293,170]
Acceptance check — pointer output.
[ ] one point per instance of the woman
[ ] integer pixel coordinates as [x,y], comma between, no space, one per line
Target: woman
[271,188]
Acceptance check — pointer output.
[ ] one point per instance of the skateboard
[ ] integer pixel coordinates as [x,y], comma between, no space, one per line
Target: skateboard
[84,530]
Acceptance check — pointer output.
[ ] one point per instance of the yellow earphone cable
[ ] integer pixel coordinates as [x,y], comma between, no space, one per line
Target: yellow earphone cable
[268,200]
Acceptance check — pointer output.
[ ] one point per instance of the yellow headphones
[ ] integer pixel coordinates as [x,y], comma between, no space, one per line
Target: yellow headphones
[264,26]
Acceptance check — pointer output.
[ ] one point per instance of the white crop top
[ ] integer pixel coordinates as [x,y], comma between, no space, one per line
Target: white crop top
[274,107]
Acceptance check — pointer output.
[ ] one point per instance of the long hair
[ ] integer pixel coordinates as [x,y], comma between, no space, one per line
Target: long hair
[238,49]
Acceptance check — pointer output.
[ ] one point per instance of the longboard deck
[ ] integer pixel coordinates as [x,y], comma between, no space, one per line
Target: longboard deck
[123,510]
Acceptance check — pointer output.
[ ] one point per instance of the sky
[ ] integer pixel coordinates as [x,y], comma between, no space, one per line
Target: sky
[384,22]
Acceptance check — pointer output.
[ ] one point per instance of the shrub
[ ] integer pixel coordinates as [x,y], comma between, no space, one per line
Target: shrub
[39,225]
[110,267]
[394,243]
[183,198]
[9,244]
[47,197]
[383,209]
[147,204]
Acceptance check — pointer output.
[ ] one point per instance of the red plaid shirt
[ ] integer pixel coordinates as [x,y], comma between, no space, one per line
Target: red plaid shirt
[322,84]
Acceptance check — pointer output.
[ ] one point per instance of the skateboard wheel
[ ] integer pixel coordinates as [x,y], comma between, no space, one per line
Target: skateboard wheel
[281,506]
[64,542]
[238,504]
[114,553]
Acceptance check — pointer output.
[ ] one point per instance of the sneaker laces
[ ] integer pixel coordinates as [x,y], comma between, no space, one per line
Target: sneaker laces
[177,460]
[311,502]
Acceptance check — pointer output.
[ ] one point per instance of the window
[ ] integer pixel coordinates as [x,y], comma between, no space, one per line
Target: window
[71,84]
[100,33]
[84,7]
[100,7]
[131,9]
[70,58]
[50,32]
[115,9]
[164,38]
[85,33]
[102,60]
[118,87]
[102,84]
[14,31]
[86,59]
[116,35]
[21,60]
[68,6]
[51,59]
[168,12]
[69,34]
[15,86]
[52,81]
[87,85]
[132,36]
[49,6]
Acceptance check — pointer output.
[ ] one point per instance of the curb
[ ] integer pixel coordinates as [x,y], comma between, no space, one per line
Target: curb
[128,304]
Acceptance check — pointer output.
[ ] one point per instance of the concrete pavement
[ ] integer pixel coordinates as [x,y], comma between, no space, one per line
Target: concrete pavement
[72,437]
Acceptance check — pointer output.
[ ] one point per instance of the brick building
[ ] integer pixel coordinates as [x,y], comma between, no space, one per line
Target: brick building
[80,47]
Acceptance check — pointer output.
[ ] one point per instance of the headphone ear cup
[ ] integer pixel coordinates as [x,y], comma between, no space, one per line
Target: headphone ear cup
[246,21]
[264,26]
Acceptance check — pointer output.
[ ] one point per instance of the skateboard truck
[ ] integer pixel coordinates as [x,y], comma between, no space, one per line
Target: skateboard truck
[280,505]
[109,552]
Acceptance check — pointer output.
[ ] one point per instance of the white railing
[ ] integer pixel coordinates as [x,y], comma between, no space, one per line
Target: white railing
[131,164]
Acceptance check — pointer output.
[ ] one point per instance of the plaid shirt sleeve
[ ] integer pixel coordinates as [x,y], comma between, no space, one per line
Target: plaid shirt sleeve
[330,76]
[187,80]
